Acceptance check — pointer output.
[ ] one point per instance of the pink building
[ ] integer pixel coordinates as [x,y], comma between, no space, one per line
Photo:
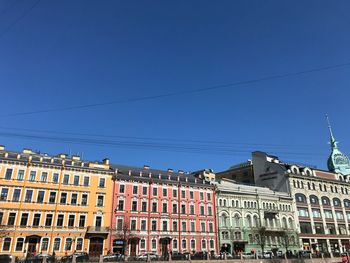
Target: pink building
[162,212]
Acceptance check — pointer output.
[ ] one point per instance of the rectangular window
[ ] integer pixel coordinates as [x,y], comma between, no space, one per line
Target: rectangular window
[143,225]
[144,206]
[52,197]
[1,217]
[165,192]
[191,195]
[19,244]
[82,221]
[36,220]
[208,196]
[211,229]
[63,199]
[122,189]
[76,180]
[210,211]
[303,212]
[102,182]
[79,245]
[202,227]
[184,226]
[339,215]
[165,226]
[48,220]
[174,193]
[201,196]
[133,224]
[202,210]
[40,197]
[192,209]
[8,174]
[331,229]
[57,244]
[183,194]
[55,178]
[32,176]
[4,193]
[84,199]
[44,244]
[183,209]
[319,228]
[305,228]
[11,219]
[86,180]
[16,195]
[60,219]
[29,195]
[193,227]
[71,220]
[144,190]
[121,205]
[73,200]
[134,206]
[24,219]
[66,179]
[174,208]
[154,225]
[328,214]
[174,226]
[316,213]
[100,199]
[154,207]
[134,190]
[119,224]
[154,191]
[43,177]
[20,175]
[165,208]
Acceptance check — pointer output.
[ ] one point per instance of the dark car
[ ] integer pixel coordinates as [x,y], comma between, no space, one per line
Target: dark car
[114,257]
[179,256]
[40,258]
[5,258]
[79,257]
[199,255]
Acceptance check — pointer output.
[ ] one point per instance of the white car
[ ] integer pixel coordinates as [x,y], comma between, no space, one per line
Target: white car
[143,257]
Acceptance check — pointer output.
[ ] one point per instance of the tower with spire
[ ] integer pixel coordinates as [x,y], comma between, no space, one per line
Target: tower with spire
[337,161]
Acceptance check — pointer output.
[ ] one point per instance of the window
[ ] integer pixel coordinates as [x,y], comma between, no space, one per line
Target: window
[84,199]
[102,182]
[303,212]
[144,190]
[342,229]
[76,180]
[20,176]
[60,220]
[121,205]
[6,244]
[184,244]
[183,209]
[154,225]
[68,245]
[175,244]
[8,173]
[40,197]
[316,213]
[44,244]
[319,228]
[202,227]
[204,244]
[19,244]
[82,220]
[193,244]
[331,229]
[144,206]
[305,228]
[192,195]
[55,178]
[339,215]
[29,195]
[134,206]
[100,200]
[154,207]
[32,176]
[174,208]
[133,224]
[48,221]
[154,244]
[314,200]
[63,198]
[98,221]
[211,229]
[174,193]
[154,191]
[56,244]
[24,219]
[183,194]
[193,227]
[211,242]
[66,179]
[165,208]
[79,245]
[328,214]
[165,226]
[336,202]
[36,220]
[1,217]
[184,226]
[11,219]
[202,210]
[325,200]
[175,226]
[209,198]
[16,195]
[134,190]
[201,196]
[143,225]
[300,198]
[4,193]
[191,209]
[86,180]
[71,220]
[43,177]
[346,202]
[142,244]
[119,224]
[122,189]
[165,192]
[73,200]
[210,211]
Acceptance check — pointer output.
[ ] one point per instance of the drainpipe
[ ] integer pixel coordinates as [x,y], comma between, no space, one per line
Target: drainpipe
[149,217]
[114,177]
[217,234]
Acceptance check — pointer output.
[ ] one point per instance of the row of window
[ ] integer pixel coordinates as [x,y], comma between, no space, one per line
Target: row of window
[68,244]
[144,189]
[301,198]
[164,208]
[33,177]
[328,214]
[322,187]
[52,197]
[253,204]
[141,225]
[319,228]
[38,220]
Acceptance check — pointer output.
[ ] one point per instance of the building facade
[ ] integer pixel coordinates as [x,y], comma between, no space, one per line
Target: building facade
[162,212]
[53,203]
[251,217]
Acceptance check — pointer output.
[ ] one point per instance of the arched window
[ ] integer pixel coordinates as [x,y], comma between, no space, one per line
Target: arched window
[79,244]
[308,185]
[314,200]
[233,203]
[224,219]
[44,244]
[184,243]
[284,222]
[336,202]
[220,202]
[300,198]
[290,223]
[68,245]
[225,202]
[204,244]
[250,239]
[313,186]
[255,221]
[346,202]
[238,235]
[249,221]
[325,200]
[236,220]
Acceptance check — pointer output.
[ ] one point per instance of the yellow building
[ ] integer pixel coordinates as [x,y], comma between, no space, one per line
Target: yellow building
[53,203]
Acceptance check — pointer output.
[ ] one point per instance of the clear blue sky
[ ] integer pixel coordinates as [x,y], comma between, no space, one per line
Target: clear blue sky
[69,53]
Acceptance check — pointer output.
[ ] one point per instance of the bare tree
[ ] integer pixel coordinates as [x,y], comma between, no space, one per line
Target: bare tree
[287,239]
[124,233]
[261,237]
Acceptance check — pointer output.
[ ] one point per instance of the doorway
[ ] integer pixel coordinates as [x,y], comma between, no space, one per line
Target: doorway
[96,246]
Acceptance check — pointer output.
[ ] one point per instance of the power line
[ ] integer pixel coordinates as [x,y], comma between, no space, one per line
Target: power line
[178,93]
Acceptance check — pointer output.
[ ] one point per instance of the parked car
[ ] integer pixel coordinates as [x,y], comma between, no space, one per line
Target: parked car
[143,257]
[40,258]
[179,256]
[6,258]
[247,255]
[114,257]
[199,255]
[79,256]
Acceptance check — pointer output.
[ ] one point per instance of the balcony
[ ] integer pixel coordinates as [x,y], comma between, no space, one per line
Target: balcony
[97,230]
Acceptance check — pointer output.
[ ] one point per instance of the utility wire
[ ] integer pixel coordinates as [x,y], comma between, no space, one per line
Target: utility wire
[178,93]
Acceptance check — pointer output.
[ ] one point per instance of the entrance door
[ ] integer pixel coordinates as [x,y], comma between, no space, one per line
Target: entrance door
[32,242]
[164,246]
[96,246]
[133,244]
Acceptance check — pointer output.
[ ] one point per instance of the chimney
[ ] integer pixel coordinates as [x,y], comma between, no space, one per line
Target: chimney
[27,151]
[170,170]
[2,148]
[181,172]
[62,155]
[76,158]
[105,161]
[146,167]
